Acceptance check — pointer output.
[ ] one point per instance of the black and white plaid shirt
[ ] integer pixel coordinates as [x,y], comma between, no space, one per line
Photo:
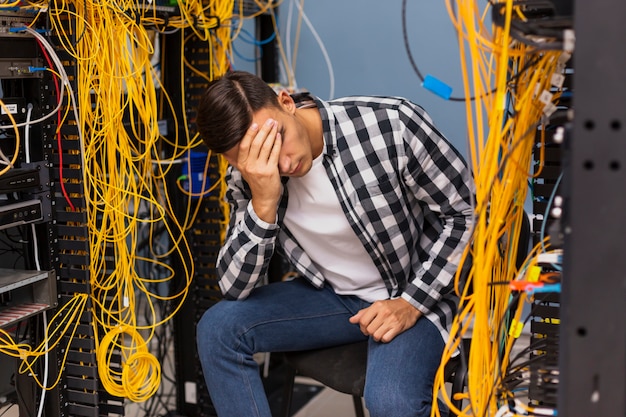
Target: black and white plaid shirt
[404,189]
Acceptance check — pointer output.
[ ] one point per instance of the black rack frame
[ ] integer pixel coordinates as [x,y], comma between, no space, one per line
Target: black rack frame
[593,329]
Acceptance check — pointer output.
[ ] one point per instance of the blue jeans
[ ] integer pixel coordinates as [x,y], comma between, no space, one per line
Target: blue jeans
[293,315]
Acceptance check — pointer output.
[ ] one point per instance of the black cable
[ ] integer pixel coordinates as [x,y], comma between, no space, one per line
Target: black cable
[406,43]
[512,371]
[511,379]
[500,377]
[407,47]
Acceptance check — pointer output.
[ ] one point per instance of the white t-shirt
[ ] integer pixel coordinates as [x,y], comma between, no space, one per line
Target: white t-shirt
[315,219]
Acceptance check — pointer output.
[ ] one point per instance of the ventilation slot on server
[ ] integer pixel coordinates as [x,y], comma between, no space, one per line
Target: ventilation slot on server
[25,293]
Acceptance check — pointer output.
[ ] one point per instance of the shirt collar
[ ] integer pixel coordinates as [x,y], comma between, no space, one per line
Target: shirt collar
[328,126]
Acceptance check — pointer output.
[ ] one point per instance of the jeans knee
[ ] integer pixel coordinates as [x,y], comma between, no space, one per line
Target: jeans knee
[214,328]
[392,403]
[381,404]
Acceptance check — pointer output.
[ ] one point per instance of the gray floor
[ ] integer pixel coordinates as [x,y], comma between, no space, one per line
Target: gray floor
[325,404]
[328,403]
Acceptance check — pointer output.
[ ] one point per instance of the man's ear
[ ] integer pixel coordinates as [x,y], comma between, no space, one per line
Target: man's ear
[286,101]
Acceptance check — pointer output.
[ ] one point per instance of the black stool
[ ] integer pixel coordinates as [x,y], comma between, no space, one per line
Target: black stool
[342,368]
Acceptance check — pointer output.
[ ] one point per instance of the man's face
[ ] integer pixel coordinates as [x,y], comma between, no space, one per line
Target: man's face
[295,156]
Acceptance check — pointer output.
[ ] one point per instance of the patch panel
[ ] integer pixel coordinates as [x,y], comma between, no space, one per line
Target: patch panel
[10,21]
[20,68]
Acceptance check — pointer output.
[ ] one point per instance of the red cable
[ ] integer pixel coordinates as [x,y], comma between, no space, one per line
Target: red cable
[56,86]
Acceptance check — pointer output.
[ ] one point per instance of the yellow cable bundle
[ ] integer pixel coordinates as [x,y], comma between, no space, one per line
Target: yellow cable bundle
[503,74]
[9,163]
[125,183]
[140,369]
[62,326]
[124,175]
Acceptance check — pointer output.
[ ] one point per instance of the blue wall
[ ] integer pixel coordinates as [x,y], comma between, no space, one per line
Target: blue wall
[364,41]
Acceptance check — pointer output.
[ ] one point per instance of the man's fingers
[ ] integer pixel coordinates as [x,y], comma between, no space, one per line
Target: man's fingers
[386,319]
[268,143]
[244,145]
[356,318]
[363,318]
[264,139]
[258,139]
[273,158]
[389,335]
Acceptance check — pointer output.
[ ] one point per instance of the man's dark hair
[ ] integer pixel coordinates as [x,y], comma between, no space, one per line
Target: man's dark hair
[226,108]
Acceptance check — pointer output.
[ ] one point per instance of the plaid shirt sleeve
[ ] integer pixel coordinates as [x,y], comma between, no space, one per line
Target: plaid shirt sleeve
[244,258]
[439,179]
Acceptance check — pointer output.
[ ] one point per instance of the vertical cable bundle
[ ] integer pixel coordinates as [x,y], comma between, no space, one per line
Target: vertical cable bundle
[125,171]
[508,83]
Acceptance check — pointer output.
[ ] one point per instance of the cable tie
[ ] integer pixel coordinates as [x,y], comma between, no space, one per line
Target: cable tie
[569,40]
[557,80]
[437,86]
[549,109]
[564,57]
[516,328]
[546,97]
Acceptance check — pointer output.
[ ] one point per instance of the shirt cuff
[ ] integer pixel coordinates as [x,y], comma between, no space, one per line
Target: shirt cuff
[259,228]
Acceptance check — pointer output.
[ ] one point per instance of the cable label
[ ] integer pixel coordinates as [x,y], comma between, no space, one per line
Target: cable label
[11,108]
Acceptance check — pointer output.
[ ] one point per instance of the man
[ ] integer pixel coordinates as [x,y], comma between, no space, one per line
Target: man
[372,207]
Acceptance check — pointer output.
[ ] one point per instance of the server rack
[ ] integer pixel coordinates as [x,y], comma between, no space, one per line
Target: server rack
[192,397]
[62,238]
[593,328]
[80,392]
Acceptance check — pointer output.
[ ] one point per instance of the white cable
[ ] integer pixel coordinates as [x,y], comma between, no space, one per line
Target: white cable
[504,412]
[169,161]
[35,247]
[290,69]
[65,82]
[4,160]
[45,326]
[62,72]
[27,133]
[288,33]
[329,64]
[45,367]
